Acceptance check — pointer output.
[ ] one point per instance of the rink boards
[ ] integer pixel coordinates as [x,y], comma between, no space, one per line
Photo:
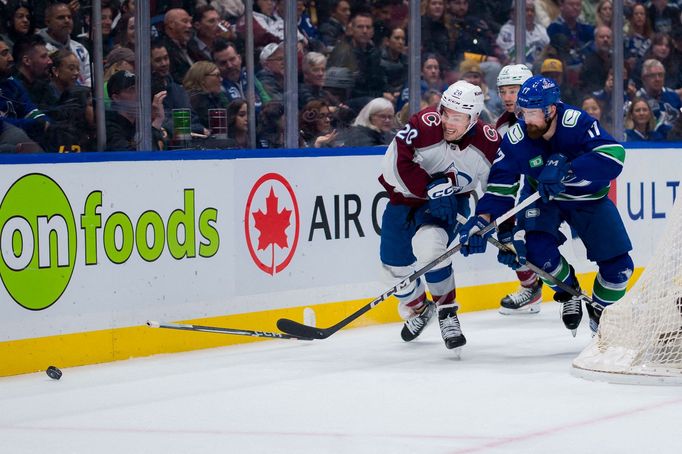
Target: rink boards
[94,245]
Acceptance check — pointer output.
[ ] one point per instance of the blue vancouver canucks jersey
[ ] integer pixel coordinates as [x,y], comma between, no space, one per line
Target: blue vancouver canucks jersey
[596,158]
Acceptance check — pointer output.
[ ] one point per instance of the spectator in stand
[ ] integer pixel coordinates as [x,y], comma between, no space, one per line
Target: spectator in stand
[125,32]
[605,95]
[675,62]
[18,21]
[664,102]
[59,23]
[604,13]
[593,106]
[177,26]
[338,83]
[238,122]
[373,126]
[119,59]
[358,54]
[471,72]
[315,123]
[229,61]
[554,69]
[638,36]
[432,98]
[270,129]
[381,12]
[32,63]
[675,133]
[597,60]
[640,124]
[312,87]
[205,24]
[120,120]
[435,36]
[394,60]
[536,36]
[660,49]
[663,16]
[493,12]
[472,36]
[203,83]
[306,27]
[227,9]
[108,35]
[268,26]
[568,35]
[176,96]
[270,79]
[334,29]
[430,79]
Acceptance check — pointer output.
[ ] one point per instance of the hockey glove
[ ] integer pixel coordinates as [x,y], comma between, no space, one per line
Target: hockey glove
[442,200]
[472,243]
[463,206]
[550,180]
[517,239]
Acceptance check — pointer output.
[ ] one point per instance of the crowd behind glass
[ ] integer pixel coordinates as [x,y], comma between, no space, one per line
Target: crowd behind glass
[352,63]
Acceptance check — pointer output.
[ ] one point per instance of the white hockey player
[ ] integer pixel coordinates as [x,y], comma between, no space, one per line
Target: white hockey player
[430,168]
[528,298]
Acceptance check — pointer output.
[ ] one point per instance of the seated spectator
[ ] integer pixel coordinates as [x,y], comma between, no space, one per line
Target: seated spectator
[15,140]
[358,54]
[315,123]
[125,32]
[119,59]
[675,61]
[108,35]
[554,69]
[394,60]
[640,124]
[309,35]
[121,119]
[205,23]
[637,36]
[604,13]
[227,9]
[238,122]
[270,79]
[660,50]
[338,83]
[268,26]
[597,60]
[473,37]
[605,95]
[664,102]
[18,21]
[594,108]
[568,35]
[536,36]
[373,126]
[32,64]
[313,80]
[270,129]
[432,98]
[204,86]
[471,72]
[177,26]
[435,36]
[430,79]
[59,23]
[228,59]
[663,16]
[493,12]
[176,96]
[334,29]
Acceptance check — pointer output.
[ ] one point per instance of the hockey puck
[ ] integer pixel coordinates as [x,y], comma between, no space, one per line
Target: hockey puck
[54,373]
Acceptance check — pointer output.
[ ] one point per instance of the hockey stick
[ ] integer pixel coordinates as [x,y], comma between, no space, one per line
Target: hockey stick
[218,330]
[540,272]
[300,330]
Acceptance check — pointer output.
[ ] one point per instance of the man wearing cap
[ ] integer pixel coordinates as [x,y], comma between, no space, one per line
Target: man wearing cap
[270,79]
[120,120]
[470,71]
[554,69]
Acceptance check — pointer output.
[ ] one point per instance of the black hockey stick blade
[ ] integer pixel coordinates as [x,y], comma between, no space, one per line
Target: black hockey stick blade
[220,330]
[294,328]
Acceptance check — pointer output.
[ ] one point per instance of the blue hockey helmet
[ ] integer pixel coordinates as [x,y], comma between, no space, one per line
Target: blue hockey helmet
[538,92]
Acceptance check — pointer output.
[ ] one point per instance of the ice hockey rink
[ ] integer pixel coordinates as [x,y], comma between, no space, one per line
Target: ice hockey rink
[359,391]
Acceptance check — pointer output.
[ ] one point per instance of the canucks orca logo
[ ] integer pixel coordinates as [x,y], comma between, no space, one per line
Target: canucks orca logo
[462,180]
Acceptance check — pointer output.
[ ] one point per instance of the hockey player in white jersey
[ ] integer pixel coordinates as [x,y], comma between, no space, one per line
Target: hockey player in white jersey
[430,168]
[528,298]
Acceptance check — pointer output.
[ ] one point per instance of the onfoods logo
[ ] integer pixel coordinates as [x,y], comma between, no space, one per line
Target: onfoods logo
[271,211]
[38,241]
[38,237]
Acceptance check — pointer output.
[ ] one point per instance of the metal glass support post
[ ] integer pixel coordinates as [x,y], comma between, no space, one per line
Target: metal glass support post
[520,31]
[144,79]
[414,56]
[290,76]
[98,79]
[250,74]
[618,65]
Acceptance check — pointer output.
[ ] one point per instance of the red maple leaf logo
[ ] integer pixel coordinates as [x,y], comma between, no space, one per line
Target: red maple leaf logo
[272,225]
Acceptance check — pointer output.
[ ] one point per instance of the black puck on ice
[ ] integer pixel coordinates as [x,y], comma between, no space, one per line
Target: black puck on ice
[54,373]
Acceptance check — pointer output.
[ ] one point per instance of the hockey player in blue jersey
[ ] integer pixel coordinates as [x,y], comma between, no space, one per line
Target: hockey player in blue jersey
[570,160]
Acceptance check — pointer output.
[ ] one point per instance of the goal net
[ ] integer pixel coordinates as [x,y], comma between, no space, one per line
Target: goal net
[640,337]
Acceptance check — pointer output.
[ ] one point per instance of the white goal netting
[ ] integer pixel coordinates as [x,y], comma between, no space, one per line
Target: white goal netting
[640,336]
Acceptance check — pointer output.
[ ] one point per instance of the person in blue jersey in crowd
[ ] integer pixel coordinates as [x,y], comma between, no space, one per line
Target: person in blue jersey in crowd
[570,160]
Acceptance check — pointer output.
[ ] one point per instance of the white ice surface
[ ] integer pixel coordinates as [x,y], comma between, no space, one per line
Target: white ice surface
[359,391]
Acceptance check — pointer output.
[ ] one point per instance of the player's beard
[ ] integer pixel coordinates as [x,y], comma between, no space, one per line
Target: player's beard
[535,132]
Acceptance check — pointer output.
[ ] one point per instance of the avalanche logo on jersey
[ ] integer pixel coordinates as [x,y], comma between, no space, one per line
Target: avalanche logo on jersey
[462,180]
[490,133]
[431,119]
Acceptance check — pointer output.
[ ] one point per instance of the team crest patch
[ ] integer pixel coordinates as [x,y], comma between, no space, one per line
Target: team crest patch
[490,133]
[532,213]
[536,162]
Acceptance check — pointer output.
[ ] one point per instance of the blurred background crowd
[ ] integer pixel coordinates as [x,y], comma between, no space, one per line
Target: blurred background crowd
[352,63]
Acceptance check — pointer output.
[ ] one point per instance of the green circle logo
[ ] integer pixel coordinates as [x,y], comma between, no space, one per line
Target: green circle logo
[37,241]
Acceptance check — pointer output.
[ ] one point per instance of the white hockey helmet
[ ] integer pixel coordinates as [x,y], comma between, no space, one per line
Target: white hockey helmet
[513,75]
[465,98]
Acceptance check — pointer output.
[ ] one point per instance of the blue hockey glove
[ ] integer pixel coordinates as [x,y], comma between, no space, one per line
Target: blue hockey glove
[550,180]
[517,239]
[473,243]
[442,200]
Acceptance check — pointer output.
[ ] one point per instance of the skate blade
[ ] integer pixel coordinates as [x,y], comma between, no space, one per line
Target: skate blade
[574,332]
[456,353]
[531,309]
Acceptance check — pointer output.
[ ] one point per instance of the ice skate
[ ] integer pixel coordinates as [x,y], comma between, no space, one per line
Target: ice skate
[571,309]
[414,326]
[526,300]
[450,328]
[595,315]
